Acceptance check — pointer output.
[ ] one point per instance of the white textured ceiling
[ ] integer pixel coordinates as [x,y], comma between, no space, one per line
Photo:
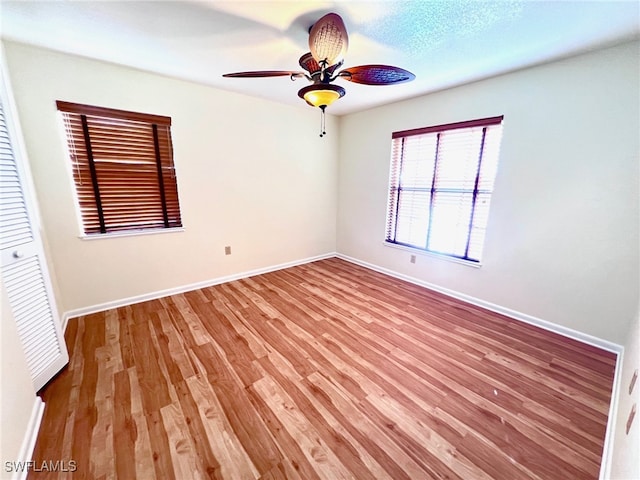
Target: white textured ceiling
[444,43]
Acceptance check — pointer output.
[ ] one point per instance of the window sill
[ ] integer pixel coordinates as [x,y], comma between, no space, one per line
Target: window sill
[439,256]
[130,233]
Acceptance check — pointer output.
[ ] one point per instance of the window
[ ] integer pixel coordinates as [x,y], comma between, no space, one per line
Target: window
[440,187]
[123,169]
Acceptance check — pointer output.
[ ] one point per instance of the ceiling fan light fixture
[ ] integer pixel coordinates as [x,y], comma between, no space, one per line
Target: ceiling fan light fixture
[321,94]
[328,43]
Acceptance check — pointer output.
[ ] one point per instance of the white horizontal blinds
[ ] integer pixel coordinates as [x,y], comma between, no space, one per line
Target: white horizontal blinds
[452,200]
[394,180]
[440,186]
[488,170]
[15,228]
[123,169]
[413,160]
[29,302]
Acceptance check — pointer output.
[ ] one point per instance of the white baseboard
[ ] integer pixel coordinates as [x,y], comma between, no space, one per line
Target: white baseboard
[607,450]
[523,317]
[185,288]
[30,437]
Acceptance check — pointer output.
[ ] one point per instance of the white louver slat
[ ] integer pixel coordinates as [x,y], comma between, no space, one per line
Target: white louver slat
[31,309]
[14,220]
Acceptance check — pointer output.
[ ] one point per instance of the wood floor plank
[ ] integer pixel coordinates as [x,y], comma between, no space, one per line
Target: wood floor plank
[102,435]
[125,319]
[323,460]
[204,457]
[125,429]
[154,389]
[488,389]
[326,370]
[238,410]
[145,459]
[369,434]
[223,454]
[347,449]
[159,445]
[85,408]
[181,448]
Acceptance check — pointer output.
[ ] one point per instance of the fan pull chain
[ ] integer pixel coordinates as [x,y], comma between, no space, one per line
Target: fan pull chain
[322,122]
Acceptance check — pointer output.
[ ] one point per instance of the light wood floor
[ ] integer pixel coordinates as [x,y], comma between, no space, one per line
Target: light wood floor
[326,370]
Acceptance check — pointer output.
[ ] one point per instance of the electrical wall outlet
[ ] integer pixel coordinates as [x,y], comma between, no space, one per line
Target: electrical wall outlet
[413,259]
[227,250]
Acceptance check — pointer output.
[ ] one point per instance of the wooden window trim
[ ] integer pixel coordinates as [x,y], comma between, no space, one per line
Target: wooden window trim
[481,122]
[112,113]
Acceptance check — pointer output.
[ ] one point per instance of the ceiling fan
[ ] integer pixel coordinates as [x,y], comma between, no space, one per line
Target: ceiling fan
[328,42]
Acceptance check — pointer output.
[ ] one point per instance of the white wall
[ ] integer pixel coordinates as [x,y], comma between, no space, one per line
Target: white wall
[562,241]
[251,174]
[625,463]
[17,395]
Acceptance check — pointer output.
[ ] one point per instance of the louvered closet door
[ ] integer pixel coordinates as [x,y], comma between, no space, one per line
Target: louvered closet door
[24,272]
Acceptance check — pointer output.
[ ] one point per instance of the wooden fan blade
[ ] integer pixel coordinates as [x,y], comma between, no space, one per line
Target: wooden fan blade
[310,65]
[262,73]
[376,75]
[328,39]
